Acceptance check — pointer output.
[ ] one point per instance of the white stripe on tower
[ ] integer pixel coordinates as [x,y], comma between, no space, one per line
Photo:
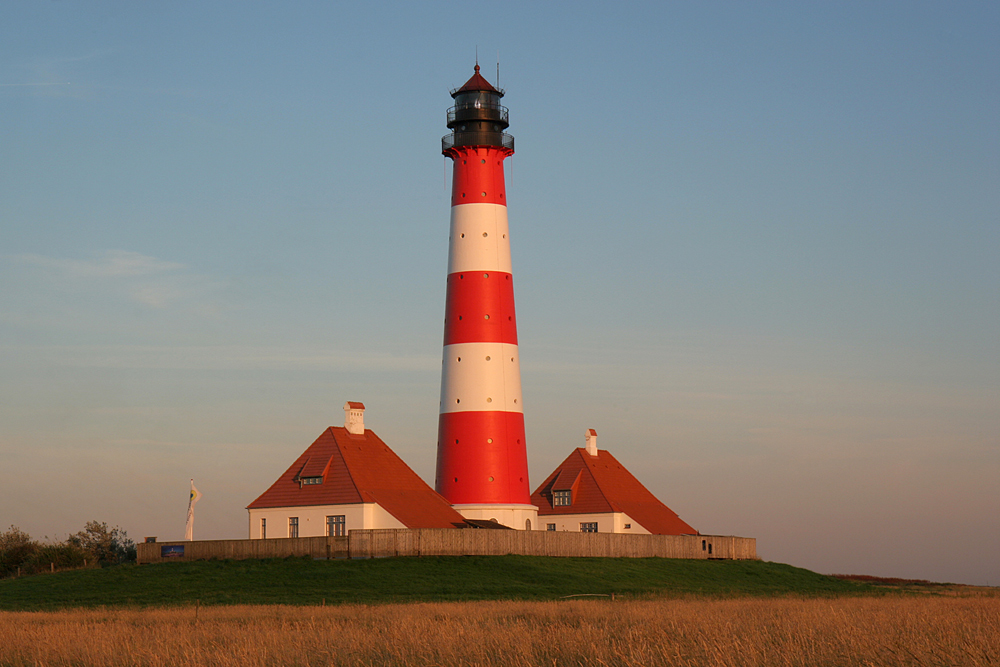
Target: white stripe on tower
[479,238]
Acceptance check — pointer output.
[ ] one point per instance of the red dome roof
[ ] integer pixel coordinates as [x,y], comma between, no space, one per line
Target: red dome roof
[477,82]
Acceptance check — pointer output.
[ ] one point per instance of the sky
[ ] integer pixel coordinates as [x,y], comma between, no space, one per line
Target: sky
[756,246]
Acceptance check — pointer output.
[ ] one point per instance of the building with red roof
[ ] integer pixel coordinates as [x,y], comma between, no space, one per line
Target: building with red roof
[592,492]
[348,479]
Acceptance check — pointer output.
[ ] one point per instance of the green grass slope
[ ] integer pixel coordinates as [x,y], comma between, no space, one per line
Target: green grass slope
[300,581]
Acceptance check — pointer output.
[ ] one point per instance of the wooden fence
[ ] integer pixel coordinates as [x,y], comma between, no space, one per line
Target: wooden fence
[317,547]
[452,542]
[446,542]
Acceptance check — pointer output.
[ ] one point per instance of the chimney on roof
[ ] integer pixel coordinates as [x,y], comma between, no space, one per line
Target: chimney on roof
[591,436]
[354,417]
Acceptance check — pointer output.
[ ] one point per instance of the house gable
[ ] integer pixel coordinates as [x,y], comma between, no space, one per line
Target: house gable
[341,468]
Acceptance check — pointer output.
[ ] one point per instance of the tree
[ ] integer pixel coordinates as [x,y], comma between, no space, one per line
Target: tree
[107,545]
[16,547]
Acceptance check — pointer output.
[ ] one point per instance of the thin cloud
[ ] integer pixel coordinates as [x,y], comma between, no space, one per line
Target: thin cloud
[150,281]
[114,264]
[218,357]
[53,76]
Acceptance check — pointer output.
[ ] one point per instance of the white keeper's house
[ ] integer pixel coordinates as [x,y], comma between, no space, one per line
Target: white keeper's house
[348,479]
[592,492]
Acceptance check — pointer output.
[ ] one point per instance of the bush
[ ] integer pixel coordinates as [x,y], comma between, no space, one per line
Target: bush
[16,547]
[96,544]
[108,546]
[61,556]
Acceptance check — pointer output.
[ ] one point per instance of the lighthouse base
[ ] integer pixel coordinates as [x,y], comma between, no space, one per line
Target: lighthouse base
[519,517]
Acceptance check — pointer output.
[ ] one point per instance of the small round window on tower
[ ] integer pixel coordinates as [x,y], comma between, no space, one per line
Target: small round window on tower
[483,161]
[485,235]
[489,440]
[487,357]
[484,193]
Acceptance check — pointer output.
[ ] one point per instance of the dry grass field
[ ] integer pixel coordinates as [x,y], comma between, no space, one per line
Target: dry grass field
[892,630]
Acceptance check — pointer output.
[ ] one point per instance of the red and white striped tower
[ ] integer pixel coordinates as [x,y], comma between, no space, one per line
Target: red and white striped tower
[482,463]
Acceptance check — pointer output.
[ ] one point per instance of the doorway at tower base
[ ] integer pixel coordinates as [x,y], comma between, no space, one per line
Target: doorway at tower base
[519,517]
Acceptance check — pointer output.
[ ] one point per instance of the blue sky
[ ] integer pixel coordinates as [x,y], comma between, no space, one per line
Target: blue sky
[756,246]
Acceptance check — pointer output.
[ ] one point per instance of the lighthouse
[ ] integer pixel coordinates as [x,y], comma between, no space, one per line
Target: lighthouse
[482,464]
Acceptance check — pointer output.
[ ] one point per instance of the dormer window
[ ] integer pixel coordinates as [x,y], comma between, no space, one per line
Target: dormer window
[310,480]
[562,498]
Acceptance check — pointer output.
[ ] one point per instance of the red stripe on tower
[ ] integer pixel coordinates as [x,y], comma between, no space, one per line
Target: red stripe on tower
[482,463]
[479,308]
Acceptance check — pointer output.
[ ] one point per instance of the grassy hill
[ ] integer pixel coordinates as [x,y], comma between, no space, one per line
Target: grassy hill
[300,581]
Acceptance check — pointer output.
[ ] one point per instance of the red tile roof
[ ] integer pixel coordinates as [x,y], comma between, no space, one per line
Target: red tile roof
[601,485]
[359,469]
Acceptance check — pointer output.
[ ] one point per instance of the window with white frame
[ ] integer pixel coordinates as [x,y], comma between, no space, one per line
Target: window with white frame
[293,526]
[335,526]
[590,527]
[263,529]
[550,526]
[562,498]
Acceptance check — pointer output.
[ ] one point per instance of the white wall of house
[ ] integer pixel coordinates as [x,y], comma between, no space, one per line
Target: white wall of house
[518,517]
[312,519]
[609,522]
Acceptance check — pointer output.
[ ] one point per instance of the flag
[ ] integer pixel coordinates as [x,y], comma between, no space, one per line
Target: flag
[192,499]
